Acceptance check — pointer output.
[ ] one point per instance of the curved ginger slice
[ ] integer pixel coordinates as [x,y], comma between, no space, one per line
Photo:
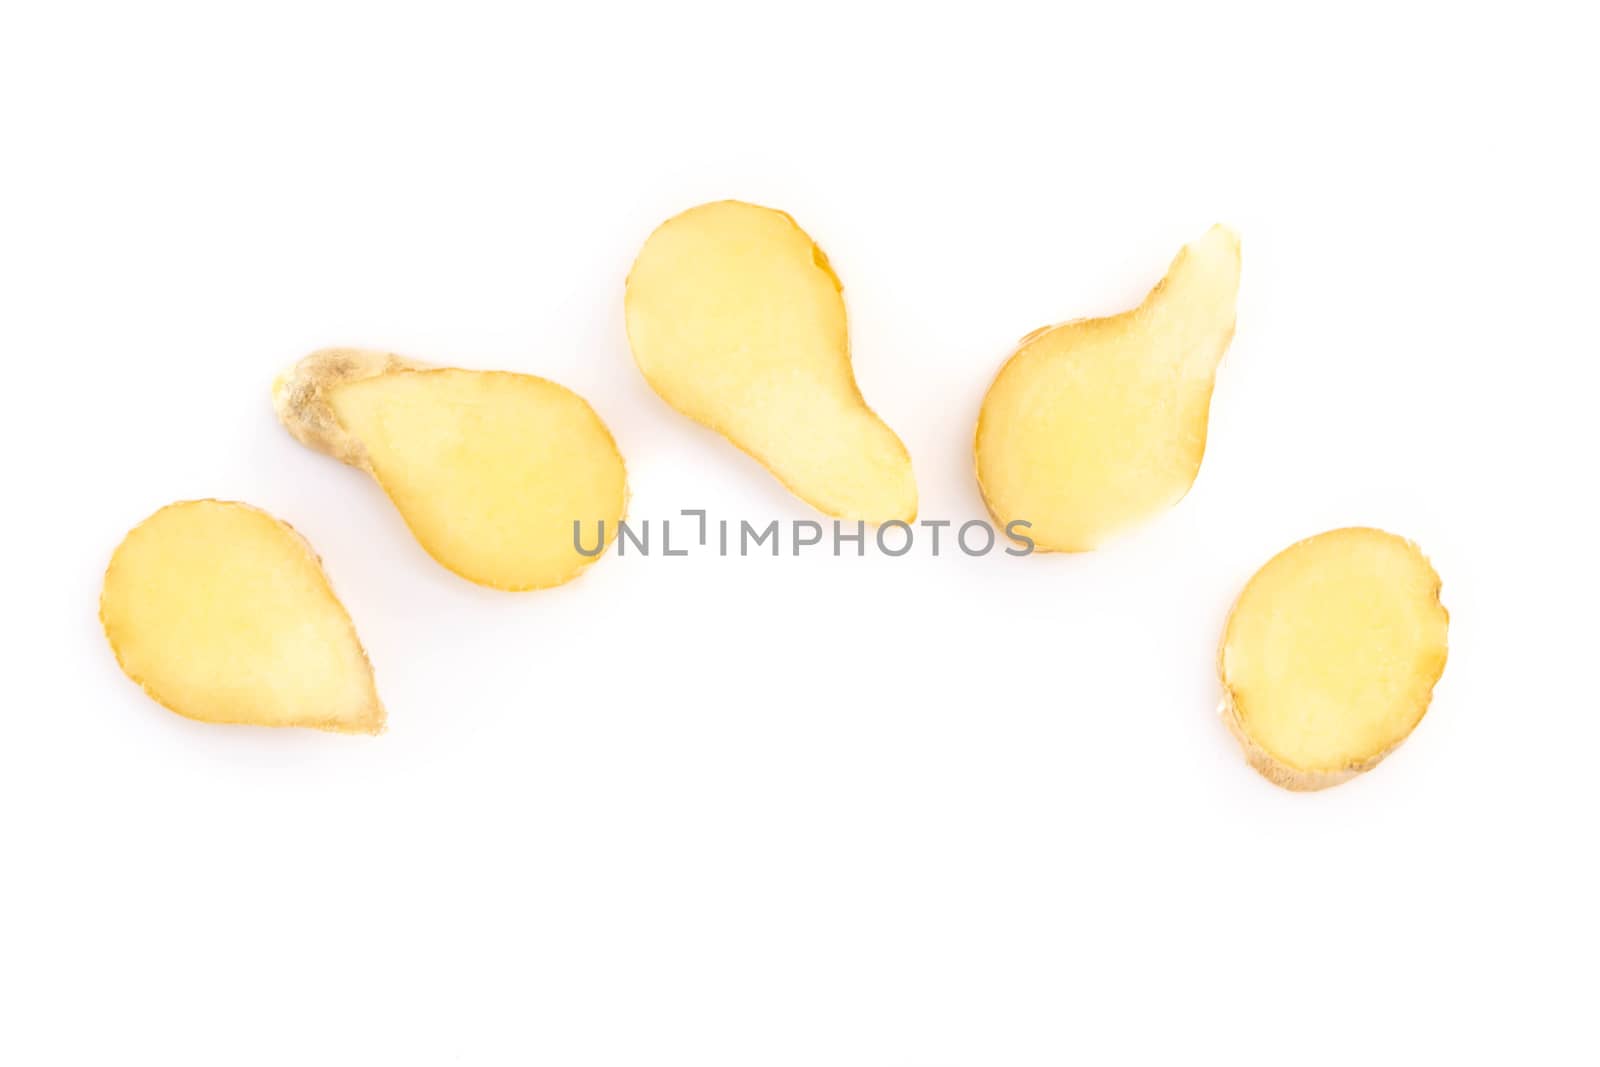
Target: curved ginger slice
[1330,656]
[491,470]
[736,320]
[1095,424]
[223,614]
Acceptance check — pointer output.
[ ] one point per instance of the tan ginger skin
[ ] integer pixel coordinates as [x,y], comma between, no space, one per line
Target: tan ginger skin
[299,397]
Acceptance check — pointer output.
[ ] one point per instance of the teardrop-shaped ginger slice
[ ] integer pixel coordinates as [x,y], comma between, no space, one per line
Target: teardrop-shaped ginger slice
[500,476]
[222,613]
[1096,424]
[737,320]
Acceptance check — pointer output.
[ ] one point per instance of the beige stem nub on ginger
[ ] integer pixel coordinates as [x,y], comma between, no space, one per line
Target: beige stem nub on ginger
[299,396]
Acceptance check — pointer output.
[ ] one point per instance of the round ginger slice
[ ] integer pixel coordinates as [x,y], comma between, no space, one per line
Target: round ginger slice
[222,613]
[1330,656]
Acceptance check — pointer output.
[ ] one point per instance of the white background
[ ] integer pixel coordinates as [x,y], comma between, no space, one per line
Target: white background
[807,812]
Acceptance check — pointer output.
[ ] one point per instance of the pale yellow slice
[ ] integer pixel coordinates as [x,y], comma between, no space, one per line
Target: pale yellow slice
[500,476]
[1096,424]
[1330,656]
[736,320]
[223,614]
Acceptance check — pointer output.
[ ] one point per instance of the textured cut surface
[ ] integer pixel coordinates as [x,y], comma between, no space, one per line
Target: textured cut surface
[489,469]
[1330,656]
[222,613]
[1093,425]
[736,320]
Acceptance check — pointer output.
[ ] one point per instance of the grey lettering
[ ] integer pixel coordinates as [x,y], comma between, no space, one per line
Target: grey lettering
[895,524]
[961,536]
[625,534]
[1023,539]
[815,539]
[666,540]
[599,540]
[746,530]
[859,537]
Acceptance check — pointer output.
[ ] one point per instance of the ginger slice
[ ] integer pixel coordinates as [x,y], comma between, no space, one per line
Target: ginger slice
[1330,656]
[737,320]
[222,613]
[1095,424]
[490,470]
